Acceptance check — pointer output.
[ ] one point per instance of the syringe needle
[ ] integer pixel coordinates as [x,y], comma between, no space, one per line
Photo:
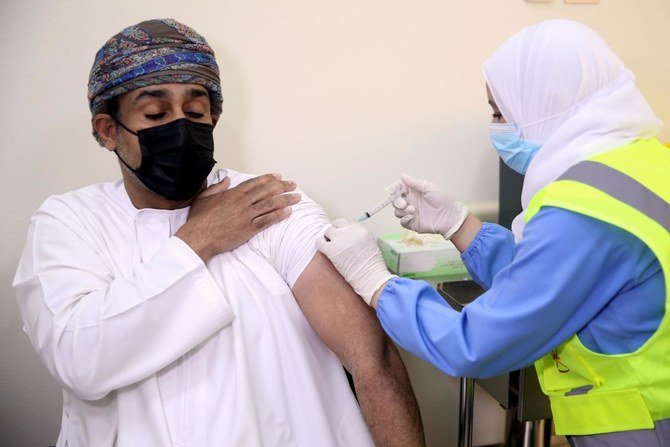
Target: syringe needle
[395,192]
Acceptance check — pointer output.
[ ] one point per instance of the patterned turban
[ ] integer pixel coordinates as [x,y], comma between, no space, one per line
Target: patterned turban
[161,51]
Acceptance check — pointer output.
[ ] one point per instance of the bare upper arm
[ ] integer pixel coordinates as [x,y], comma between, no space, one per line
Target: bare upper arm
[343,321]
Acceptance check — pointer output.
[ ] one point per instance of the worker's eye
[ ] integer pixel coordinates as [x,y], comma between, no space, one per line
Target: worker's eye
[155,116]
[195,115]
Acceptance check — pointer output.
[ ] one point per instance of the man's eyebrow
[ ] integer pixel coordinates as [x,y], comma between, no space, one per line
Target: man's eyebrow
[197,93]
[154,93]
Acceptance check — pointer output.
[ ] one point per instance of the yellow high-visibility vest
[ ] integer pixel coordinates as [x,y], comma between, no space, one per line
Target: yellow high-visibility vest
[592,393]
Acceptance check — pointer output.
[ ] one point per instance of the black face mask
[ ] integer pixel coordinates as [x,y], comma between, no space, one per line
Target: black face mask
[177,157]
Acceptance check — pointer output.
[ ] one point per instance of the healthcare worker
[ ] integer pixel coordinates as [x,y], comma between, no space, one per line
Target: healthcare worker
[579,285]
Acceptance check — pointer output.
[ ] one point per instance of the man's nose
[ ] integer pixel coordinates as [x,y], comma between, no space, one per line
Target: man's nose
[178,113]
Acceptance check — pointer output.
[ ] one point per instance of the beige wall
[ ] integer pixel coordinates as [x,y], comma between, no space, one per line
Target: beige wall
[341,96]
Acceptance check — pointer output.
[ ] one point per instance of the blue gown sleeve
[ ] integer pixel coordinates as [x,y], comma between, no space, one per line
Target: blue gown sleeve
[563,272]
[490,251]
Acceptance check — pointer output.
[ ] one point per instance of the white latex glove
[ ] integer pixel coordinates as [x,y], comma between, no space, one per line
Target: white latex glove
[354,253]
[424,207]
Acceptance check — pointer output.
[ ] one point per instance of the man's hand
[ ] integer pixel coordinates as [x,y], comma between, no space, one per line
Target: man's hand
[221,219]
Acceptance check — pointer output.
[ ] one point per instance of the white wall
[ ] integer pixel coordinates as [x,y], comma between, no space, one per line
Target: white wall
[340,96]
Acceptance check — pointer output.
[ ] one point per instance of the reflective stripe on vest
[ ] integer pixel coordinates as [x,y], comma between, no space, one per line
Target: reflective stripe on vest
[621,187]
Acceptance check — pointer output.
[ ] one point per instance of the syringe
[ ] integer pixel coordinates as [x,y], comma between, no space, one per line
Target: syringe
[394,190]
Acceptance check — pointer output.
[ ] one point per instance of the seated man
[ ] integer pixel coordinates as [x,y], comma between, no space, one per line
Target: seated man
[172,314]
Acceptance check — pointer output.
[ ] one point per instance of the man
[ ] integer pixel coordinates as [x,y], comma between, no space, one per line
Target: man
[172,314]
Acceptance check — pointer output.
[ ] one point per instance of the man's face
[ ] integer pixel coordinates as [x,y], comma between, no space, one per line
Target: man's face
[155,105]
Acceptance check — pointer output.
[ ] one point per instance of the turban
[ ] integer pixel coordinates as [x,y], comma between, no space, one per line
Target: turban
[161,51]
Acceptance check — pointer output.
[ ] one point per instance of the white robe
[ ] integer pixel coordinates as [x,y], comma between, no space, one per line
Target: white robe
[155,348]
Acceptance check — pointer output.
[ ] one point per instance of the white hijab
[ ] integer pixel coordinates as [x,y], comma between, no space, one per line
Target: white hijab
[566,89]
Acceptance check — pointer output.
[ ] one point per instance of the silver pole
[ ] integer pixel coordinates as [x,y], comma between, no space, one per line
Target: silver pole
[534,433]
[467,404]
[528,434]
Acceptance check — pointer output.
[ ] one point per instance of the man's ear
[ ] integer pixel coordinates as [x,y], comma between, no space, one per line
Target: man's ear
[215,119]
[105,126]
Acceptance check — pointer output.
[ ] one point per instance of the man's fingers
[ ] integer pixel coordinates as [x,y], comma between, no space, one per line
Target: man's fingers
[270,189]
[261,190]
[216,187]
[252,182]
[265,220]
[260,183]
[275,203]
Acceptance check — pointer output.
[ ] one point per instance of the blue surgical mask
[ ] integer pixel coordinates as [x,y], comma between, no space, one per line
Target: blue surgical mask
[515,152]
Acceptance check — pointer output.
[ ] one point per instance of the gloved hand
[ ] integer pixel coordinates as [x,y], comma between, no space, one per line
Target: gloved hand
[354,253]
[424,207]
